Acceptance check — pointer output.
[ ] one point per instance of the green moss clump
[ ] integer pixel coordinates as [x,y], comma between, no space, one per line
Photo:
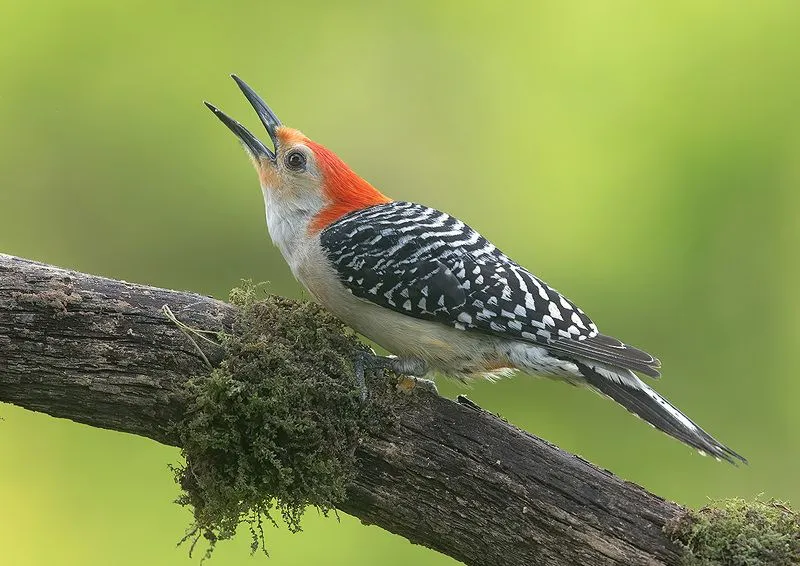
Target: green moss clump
[736,532]
[267,431]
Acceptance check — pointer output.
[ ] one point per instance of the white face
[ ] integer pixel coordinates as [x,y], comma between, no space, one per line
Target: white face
[294,175]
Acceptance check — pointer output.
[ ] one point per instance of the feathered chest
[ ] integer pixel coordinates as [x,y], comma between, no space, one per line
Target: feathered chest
[288,221]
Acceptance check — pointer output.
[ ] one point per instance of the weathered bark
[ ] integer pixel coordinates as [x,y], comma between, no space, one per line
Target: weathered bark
[449,475]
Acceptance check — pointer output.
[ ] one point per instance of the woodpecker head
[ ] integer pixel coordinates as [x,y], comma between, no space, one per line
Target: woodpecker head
[299,177]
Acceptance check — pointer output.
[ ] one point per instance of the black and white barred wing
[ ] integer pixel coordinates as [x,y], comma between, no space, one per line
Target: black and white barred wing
[519,305]
[424,263]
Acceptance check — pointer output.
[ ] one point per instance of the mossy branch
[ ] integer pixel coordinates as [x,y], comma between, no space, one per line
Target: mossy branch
[736,532]
[444,474]
[276,424]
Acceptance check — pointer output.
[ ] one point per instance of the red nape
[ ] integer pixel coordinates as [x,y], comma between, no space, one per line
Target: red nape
[345,190]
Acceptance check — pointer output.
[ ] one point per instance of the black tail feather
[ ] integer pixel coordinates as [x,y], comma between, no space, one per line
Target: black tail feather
[645,403]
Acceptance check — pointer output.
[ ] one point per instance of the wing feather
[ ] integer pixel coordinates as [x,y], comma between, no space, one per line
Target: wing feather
[426,264]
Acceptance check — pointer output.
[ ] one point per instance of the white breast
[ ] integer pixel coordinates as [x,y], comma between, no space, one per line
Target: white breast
[287,222]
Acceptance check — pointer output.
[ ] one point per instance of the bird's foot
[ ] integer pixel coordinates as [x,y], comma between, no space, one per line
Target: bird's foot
[410,368]
[361,364]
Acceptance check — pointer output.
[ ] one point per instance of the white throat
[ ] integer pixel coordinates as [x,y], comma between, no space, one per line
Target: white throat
[288,220]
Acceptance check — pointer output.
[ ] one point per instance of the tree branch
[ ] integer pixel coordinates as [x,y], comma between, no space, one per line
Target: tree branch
[449,475]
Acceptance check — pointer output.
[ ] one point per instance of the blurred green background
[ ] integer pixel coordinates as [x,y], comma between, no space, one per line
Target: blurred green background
[641,157]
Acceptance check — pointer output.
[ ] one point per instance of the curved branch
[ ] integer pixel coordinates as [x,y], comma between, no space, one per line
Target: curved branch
[450,476]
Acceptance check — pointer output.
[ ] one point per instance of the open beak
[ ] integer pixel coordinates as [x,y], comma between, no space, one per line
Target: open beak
[253,145]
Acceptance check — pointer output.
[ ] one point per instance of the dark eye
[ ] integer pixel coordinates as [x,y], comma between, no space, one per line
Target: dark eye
[296,160]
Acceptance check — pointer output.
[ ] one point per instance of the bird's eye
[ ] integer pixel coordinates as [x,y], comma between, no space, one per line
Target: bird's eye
[296,160]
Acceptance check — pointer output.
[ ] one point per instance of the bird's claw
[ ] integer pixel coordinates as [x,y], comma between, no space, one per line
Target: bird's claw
[372,364]
[359,369]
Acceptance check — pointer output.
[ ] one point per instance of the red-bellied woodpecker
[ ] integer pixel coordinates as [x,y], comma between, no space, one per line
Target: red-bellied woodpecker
[432,290]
